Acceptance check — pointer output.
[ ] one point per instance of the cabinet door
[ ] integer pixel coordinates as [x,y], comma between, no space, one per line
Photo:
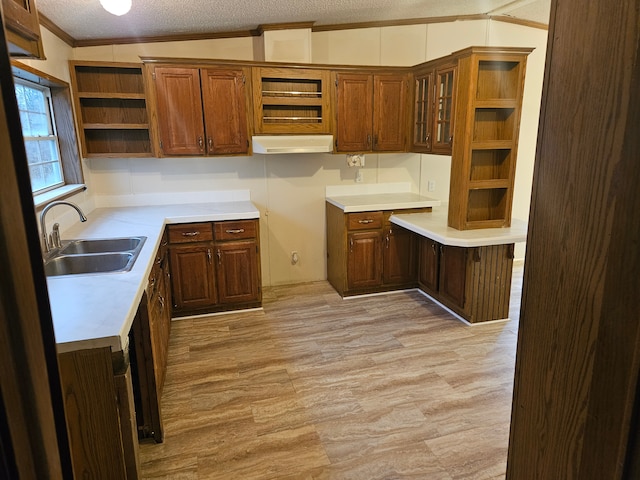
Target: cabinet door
[23,28]
[444,110]
[179,111]
[192,276]
[354,112]
[453,274]
[225,111]
[423,113]
[429,252]
[364,259]
[399,265]
[238,279]
[390,113]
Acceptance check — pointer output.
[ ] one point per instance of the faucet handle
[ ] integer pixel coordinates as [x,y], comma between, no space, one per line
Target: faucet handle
[54,238]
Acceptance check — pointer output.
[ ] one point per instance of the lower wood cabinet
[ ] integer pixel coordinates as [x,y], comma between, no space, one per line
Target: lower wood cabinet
[367,254]
[474,282]
[215,266]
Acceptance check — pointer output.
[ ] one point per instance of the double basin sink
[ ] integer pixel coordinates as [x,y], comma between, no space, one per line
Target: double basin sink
[93,256]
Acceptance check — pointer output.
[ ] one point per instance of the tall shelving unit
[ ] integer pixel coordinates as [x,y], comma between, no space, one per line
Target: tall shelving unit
[483,162]
[111,109]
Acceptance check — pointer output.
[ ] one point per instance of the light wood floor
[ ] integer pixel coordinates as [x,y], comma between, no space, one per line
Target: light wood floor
[316,387]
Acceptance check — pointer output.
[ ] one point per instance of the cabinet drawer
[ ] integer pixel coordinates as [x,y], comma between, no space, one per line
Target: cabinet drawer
[364,220]
[235,230]
[190,232]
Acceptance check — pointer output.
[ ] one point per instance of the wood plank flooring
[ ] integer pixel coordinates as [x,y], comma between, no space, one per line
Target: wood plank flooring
[316,387]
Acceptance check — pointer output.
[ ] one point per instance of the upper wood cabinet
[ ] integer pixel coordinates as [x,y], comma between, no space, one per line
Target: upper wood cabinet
[111,109]
[23,28]
[433,108]
[291,100]
[371,112]
[201,111]
[483,164]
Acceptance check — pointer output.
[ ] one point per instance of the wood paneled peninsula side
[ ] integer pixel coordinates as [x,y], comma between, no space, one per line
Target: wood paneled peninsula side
[112,330]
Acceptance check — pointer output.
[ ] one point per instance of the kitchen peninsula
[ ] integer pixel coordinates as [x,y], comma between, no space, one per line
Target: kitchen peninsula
[111,353]
[386,238]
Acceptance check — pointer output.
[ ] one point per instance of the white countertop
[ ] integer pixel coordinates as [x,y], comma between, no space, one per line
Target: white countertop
[434,226]
[91,311]
[381,201]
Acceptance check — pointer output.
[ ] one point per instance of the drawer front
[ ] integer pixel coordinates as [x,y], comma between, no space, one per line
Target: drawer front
[364,220]
[190,232]
[235,230]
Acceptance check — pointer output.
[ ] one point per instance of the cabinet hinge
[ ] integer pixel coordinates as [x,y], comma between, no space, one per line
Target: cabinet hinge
[336,82]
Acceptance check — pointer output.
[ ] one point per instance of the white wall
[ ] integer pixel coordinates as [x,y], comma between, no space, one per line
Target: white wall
[289,189]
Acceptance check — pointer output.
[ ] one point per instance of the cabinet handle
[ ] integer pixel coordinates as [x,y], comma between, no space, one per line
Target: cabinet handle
[451,140]
[369,140]
[387,241]
[433,247]
[190,234]
[209,254]
[161,302]
[235,230]
[351,244]
[200,143]
[375,140]
[210,142]
[366,221]
[219,254]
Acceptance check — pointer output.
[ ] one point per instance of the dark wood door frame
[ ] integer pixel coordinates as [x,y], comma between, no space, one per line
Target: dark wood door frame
[33,435]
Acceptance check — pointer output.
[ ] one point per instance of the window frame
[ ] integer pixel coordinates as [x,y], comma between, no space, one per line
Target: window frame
[65,127]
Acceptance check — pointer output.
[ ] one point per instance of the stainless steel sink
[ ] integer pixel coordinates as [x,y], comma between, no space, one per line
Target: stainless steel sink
[103,245]
[93,256]
[95,263]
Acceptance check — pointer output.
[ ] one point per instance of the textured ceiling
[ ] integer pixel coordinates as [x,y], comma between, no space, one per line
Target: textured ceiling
[86,20]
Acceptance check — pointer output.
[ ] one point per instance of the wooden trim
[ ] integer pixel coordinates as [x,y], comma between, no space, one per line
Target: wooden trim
[56,30]
[282,26]
[257,32]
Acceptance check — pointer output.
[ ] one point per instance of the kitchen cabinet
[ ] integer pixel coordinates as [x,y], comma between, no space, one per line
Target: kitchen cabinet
[371,112]
[23,28]
[474,282]
[149,347]
[97,388]
[366,253]
[111,109]
[291,100]
[483,164]
[433,108]
[201,111]
[208,276]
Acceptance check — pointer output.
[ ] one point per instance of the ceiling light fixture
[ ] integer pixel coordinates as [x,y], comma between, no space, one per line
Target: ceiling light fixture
[116,7]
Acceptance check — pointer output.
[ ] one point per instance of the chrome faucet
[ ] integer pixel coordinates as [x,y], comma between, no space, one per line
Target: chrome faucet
[53,241]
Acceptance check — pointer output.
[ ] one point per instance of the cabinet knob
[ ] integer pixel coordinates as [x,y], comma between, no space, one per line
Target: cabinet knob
[200,143]
[219,254]
[210,143]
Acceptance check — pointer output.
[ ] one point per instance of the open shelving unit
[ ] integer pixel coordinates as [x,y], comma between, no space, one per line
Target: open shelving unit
[484,160]
[291,100]
[111,109]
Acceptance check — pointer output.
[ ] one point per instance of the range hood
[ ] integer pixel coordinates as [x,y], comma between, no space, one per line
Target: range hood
[271,144]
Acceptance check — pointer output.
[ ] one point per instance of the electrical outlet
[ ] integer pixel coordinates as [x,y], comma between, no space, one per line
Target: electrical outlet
[295,258]
[431,186]
[359,176]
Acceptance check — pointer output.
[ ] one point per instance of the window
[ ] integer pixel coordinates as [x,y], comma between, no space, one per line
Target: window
[40,138]
[51,143]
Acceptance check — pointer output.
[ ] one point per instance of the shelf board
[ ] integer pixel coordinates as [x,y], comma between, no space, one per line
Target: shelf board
[508,103]
[492,145]
[110,96]
[115,126]
[495,183]
[119,155]
[295,101]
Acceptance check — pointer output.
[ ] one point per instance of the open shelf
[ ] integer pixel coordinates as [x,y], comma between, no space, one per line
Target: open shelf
[487,204]
[498,79]
[111,109]
[494,124]
[490,164]
[291,101]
